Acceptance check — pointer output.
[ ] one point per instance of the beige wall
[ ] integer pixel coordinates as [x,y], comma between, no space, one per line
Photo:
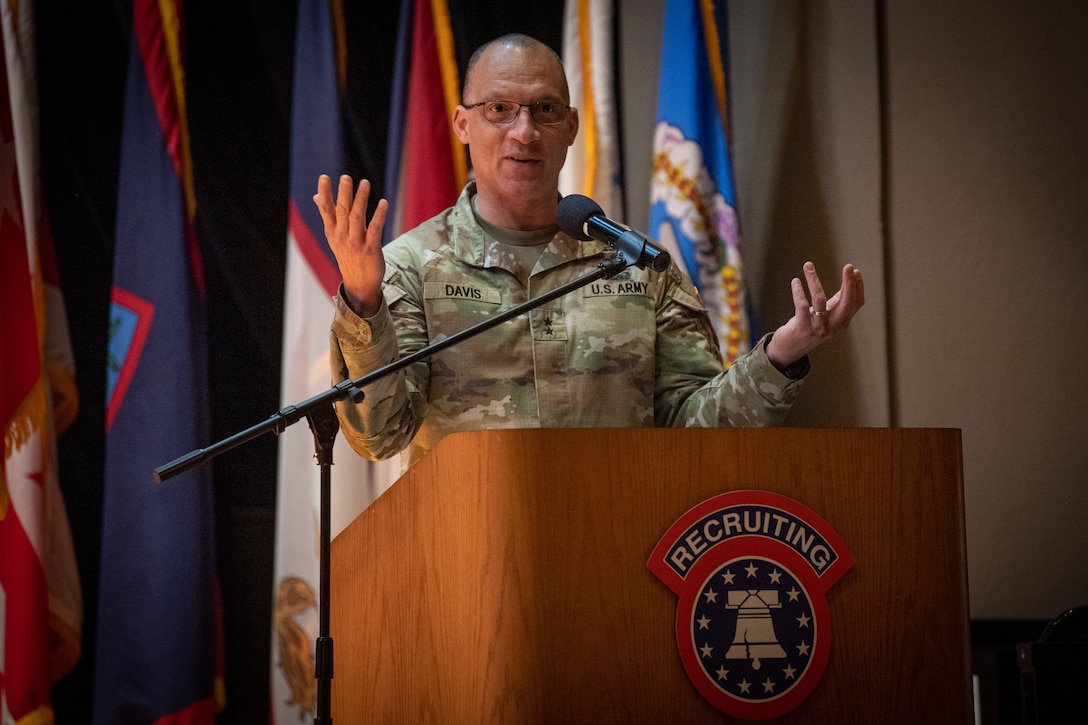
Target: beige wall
[967,219]
[988,159]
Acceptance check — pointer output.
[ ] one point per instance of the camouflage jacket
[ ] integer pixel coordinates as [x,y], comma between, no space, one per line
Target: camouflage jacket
[633,350]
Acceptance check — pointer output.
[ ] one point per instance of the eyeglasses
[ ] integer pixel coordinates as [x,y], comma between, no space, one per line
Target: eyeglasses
[546,113]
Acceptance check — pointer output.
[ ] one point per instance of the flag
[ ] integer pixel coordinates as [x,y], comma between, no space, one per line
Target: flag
[312,279]
[40,599]
[593,162]
[158,654]
[425,162]
[693,202]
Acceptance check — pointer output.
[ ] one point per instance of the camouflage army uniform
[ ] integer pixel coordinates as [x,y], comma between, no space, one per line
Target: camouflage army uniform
[634,350]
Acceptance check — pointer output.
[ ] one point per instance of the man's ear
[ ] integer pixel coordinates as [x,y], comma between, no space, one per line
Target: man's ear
[572,120]
[460,124]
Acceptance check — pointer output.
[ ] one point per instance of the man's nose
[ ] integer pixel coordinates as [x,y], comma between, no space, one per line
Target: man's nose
[523,127]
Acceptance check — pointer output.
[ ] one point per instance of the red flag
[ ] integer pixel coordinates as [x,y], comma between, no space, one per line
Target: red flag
[39,584]
[426,165]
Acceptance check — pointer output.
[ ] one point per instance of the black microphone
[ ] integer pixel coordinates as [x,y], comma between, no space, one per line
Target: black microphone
[584,219]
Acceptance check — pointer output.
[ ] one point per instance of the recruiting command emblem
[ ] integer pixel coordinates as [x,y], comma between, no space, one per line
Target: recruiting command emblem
[751,570]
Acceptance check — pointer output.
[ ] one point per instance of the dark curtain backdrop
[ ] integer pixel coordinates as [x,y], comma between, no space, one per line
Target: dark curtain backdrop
[239,63]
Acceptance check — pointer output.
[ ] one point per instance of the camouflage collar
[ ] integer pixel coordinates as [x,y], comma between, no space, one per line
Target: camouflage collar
[472,245]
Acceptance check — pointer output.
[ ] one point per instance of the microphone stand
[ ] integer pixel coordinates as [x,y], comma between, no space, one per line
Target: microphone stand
[320,413]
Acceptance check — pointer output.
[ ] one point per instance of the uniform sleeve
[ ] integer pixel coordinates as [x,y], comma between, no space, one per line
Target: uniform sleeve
[392,409]
[691,388]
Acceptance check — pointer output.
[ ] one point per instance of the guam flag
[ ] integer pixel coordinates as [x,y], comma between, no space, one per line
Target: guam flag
[693,204]
[158,653]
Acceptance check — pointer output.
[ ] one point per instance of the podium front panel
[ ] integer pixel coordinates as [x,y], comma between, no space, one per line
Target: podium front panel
[504,578]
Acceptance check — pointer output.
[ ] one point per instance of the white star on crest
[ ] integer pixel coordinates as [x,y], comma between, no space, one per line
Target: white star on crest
[722,673]
[775,576]
[706,649]
[803,620]
[802,649]
[711,595]
[751,569]
[793,594]
[768,686]
[704,623]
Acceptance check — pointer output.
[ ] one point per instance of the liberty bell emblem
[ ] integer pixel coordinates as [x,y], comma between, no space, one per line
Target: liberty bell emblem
[754,639]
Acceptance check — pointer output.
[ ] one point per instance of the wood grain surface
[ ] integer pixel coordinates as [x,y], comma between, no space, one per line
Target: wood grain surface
[504,578]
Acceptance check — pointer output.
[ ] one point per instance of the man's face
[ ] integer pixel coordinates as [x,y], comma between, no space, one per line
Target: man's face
[518,161]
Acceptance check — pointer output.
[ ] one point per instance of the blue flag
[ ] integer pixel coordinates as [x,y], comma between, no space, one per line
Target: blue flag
[693,203]
[158,655]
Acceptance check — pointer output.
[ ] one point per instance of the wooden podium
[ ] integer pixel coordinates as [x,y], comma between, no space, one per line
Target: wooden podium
[504,578]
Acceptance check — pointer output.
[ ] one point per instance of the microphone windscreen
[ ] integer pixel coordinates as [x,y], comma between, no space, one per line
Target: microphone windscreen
[573,212]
